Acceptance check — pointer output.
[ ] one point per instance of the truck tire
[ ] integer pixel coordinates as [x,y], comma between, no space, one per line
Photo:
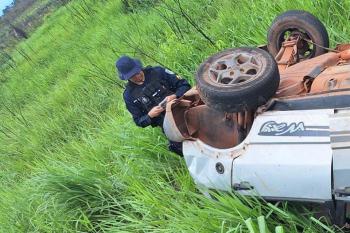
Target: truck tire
[237,79]
[303,24]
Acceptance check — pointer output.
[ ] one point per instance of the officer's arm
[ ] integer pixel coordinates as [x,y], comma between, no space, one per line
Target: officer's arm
[179,86]
[140,118]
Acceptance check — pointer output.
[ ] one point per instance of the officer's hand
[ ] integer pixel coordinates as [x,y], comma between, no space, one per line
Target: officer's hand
[170,98]
[155,111]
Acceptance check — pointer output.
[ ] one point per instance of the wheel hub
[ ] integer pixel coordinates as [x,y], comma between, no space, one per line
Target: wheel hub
[235,68]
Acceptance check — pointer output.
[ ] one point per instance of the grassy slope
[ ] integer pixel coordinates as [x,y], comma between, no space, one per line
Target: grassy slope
[70,157]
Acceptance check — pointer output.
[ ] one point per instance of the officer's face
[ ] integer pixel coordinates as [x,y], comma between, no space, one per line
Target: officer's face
[138,78]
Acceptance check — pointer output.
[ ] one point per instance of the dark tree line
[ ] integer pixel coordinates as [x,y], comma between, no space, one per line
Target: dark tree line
[16,24]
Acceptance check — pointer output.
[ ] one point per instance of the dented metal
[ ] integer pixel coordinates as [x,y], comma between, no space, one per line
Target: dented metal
[194,120]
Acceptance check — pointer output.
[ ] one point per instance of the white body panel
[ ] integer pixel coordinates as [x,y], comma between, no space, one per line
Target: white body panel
[298,174]
[287,155]
[201,161]
[340,141]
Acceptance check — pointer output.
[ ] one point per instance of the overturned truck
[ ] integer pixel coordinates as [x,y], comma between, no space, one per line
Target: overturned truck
[272,121]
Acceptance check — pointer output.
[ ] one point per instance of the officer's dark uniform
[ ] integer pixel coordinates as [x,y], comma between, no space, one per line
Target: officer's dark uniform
[140,99]
[158,84]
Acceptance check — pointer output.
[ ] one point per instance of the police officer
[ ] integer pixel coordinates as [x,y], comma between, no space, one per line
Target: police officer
[147,91]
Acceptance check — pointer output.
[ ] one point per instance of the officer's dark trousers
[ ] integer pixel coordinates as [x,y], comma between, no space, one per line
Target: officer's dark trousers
[175,147]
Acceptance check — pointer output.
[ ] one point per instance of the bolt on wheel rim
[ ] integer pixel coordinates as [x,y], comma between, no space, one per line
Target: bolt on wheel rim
[235,68]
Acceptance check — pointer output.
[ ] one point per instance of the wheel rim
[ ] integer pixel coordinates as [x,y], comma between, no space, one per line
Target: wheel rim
[306,48]
[235,68]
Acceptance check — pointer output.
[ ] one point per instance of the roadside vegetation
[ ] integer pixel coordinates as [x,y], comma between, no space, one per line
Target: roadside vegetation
[72,160]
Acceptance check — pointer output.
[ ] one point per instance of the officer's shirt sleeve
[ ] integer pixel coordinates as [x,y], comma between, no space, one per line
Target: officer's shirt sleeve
[141,118]
[178,86]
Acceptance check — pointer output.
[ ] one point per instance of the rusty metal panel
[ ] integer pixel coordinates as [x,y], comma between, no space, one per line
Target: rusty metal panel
[293,78]
[334,77]
[214,128]
[190,119]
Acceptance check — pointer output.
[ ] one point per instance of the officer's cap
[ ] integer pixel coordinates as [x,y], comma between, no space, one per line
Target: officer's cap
[128,67]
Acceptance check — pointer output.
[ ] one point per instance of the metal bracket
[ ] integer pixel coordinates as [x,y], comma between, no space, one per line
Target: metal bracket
[345,192]
[244,185]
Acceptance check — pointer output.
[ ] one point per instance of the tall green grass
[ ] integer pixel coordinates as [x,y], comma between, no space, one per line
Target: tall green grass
[71,159]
